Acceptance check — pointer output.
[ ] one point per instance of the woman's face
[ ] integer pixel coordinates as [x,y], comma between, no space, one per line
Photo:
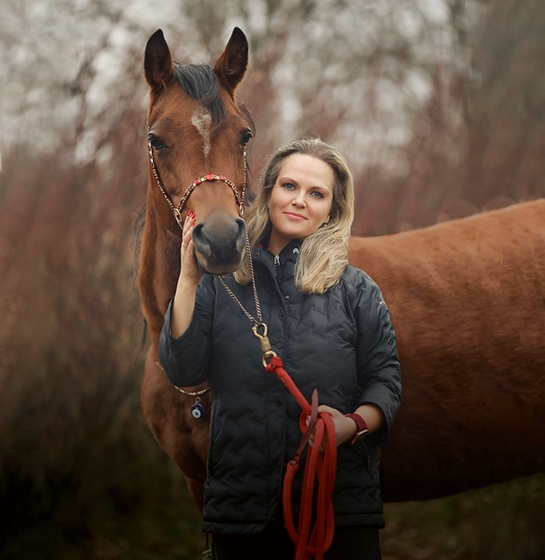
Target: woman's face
[300,201]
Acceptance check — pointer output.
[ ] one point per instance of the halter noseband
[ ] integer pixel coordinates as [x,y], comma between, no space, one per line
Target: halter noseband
[177,210]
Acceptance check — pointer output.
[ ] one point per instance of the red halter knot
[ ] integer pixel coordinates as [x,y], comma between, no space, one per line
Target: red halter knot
[273,364]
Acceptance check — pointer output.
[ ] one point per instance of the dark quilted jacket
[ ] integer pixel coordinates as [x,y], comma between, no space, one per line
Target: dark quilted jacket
[340,342]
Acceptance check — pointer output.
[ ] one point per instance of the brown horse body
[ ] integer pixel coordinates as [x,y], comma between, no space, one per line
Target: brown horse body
[467,299]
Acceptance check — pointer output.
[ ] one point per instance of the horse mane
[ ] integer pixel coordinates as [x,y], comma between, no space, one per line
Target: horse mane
[201,82]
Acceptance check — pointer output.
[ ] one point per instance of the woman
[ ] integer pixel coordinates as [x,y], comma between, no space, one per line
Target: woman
[328,323]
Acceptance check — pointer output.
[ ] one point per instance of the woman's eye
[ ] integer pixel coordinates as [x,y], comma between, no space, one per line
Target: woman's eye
[288,186]
[316,194]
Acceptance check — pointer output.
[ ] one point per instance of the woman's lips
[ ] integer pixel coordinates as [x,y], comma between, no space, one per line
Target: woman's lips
[294,216]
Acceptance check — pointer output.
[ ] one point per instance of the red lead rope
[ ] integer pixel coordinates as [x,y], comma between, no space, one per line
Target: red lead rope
[320,467]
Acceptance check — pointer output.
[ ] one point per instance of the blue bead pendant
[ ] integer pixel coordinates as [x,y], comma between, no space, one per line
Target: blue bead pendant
[198,410]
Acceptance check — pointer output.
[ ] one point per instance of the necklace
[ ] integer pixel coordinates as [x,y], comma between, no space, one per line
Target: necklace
[264,341]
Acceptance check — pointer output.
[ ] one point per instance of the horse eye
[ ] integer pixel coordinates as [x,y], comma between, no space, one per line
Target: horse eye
[246,138]
[155,142]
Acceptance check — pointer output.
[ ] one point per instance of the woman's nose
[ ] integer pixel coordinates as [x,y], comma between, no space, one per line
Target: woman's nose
[299,200]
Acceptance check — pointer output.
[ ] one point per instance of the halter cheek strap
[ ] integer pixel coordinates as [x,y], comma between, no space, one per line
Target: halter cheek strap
[177,210]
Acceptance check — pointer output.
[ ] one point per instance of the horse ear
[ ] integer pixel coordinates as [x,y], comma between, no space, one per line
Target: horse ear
[158,61]
[231,65]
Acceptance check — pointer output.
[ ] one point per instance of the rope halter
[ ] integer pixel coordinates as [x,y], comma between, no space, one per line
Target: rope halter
[177,210]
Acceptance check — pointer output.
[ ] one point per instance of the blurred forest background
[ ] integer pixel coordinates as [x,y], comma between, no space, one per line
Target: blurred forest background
[439,107]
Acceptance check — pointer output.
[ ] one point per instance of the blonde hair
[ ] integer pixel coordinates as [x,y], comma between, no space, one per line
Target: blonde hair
[324,254]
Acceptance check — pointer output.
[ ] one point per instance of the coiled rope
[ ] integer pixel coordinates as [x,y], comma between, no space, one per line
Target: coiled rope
[320,470]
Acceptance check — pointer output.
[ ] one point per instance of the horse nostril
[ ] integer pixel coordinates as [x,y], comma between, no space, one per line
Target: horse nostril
[241,234]
[200,241]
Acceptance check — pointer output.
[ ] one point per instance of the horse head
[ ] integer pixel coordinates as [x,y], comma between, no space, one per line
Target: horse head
[197,137]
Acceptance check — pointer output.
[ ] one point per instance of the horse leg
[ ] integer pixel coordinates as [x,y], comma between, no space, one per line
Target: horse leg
[184,438]
[195,491]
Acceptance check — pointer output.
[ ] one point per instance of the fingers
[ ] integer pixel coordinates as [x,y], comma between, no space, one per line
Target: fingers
[342,428]
[332,411]
[189,223]
[190,271]
[311,438]
[322,446]
[190,220]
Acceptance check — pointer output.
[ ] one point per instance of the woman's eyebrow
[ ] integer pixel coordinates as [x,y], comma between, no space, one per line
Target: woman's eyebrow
[287,179]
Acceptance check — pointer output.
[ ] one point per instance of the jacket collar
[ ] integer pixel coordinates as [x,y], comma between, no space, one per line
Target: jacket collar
[289,253]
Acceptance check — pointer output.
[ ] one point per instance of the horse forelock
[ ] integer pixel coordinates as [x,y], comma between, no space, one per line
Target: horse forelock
[201,83]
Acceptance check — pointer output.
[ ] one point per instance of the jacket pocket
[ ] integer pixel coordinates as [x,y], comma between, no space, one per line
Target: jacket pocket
[369,456]
[372,460]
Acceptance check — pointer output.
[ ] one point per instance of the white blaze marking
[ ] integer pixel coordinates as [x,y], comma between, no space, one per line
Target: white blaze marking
[202,121]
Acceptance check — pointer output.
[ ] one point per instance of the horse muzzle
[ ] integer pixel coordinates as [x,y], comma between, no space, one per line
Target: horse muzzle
[219,243]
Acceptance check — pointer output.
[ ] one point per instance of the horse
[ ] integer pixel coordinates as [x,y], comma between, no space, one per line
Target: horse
[466,298]
[196,128]
[467,301]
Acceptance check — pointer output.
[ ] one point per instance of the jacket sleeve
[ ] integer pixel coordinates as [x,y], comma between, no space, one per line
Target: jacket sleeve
[379,374]
[185,359]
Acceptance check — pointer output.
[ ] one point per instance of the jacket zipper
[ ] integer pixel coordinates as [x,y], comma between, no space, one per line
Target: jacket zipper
[277,260]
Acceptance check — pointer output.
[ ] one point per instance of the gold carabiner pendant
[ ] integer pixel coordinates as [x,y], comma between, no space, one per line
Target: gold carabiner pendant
[265,343]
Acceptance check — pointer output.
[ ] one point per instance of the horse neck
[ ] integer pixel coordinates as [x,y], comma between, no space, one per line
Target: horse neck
[158,271]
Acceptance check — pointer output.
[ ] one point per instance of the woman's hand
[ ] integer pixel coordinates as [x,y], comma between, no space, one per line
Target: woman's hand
[345,428]
[190,272]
